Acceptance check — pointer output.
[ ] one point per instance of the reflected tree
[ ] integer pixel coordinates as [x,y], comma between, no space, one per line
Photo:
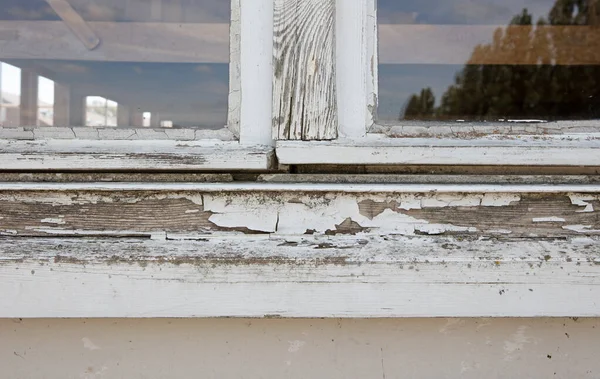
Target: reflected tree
[554,72]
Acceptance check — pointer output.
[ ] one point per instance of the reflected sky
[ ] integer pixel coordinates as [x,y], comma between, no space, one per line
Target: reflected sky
[167,57]
[482,12]
[548,74]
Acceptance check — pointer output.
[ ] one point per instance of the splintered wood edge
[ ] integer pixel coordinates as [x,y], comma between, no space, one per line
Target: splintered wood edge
[300,277]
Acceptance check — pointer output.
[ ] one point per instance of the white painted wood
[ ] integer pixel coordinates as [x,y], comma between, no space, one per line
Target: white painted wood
[352,64]
[304,84]
[348,188]
[372,47]
[75,22]
[121,41]
[132,155]
[235,91]
[562,150]
[289,277]
[256,72]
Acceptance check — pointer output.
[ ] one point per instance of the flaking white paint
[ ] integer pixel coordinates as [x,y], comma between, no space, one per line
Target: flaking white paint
[583,201]
[299,276]
[548,219]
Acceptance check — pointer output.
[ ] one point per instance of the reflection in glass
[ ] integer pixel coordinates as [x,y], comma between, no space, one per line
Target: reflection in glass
[489,60]
[10,94]
[166,57]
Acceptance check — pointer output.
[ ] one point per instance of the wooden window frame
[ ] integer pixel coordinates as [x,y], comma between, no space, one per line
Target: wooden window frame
[363,142]
[245,144]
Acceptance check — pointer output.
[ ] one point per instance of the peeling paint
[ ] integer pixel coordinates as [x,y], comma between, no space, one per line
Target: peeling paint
[581,228]
[59,220]
[499,199]
[583,201]
[254,213]
[548,219]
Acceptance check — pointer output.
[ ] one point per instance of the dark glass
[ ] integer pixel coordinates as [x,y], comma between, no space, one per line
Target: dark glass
[155,63]
[489,60]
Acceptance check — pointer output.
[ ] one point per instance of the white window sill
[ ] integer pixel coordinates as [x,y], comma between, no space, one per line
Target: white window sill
[299,277]
[563,150]
[133,155]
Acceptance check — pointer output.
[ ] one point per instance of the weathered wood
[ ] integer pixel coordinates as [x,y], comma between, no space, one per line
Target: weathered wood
[137,154]
[475,130]
[235,89]
[559,150]
[75,22]
[304,90]
[103,133]
[121,42]
[92,209]
[299,277]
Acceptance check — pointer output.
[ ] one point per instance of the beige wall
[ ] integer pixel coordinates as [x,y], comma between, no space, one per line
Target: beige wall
[234,348]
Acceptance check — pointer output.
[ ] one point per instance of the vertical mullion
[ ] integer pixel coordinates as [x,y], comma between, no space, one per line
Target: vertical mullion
[256,71]
[372,46]
[352,66]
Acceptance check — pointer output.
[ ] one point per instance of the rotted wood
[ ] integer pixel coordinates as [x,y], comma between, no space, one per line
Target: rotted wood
[175,214]
[304,89]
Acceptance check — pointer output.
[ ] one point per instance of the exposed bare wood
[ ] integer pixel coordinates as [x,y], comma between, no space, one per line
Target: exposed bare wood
[440,179]
[304,90]
[381,169]
[75,22]
[144,209]
[456,44]
[121,41]
[474,130]
[299,277]
[132,155]
[559,150]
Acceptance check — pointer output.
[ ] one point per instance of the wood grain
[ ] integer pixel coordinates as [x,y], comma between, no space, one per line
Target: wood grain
[143,155]
[304,88]
[299,277]
[149,212]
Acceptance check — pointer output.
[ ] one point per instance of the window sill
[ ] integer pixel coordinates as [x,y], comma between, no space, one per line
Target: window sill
[303,276]
[563,150]
[143,155]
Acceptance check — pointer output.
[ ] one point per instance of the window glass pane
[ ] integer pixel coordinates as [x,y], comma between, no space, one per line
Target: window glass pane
[489,60]
[10,94]
[166,57]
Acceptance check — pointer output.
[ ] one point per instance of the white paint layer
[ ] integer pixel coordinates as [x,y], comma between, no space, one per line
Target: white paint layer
[299,277]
